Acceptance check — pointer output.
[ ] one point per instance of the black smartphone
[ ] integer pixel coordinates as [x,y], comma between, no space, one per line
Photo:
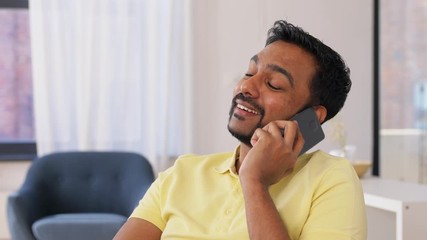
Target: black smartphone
[310,128]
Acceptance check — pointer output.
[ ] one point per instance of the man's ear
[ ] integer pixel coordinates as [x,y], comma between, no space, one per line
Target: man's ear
[321,112]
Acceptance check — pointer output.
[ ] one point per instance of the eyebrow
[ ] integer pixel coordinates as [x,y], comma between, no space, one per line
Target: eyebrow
[276,68]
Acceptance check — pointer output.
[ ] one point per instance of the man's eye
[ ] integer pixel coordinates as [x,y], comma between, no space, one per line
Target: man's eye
[248,75]
[273,87]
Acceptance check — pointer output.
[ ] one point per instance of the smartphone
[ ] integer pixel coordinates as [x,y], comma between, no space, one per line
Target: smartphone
[310,128]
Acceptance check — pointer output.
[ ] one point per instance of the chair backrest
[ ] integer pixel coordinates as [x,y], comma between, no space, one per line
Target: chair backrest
[71,182]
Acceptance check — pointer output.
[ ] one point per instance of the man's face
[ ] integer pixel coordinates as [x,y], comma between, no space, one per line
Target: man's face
[275,87]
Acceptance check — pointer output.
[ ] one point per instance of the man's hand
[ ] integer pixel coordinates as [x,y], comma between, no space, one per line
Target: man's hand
[270,159]
[272,156]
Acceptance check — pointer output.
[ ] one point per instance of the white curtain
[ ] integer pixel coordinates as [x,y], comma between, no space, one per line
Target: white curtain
[112,75]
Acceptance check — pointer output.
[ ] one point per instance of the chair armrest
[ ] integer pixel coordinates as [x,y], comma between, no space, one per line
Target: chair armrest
[23,209]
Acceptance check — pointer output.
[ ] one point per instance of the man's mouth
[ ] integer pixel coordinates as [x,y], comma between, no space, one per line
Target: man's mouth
[240,106]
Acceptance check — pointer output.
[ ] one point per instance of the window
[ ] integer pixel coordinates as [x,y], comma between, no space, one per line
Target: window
[16,105]
[402,89]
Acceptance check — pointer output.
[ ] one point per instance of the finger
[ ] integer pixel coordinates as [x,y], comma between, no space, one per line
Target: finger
[276,128]
[255,137]
[291,129]
[299,141]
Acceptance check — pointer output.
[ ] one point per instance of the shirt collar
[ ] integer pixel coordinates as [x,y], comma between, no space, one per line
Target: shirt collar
[229,164]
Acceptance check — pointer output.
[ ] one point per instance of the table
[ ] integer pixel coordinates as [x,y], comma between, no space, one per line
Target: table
[404,201]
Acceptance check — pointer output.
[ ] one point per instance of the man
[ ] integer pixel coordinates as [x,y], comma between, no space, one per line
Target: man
[264,190]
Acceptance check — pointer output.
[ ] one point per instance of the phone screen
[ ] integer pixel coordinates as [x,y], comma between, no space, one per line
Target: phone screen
[310,128]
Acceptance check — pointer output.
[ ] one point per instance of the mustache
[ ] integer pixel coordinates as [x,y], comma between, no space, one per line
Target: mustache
[250,101]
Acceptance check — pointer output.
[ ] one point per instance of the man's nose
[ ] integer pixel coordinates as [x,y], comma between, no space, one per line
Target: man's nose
[249,87]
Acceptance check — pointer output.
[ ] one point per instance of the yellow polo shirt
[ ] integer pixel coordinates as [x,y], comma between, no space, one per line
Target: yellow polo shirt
[200,197]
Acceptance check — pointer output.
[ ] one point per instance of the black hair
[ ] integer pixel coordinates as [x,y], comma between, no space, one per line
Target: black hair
[331,82]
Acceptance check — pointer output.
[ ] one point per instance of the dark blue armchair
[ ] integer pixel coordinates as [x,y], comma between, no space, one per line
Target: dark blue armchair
[78,195]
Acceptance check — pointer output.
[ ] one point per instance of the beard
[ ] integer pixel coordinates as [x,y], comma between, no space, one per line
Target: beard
[242,137]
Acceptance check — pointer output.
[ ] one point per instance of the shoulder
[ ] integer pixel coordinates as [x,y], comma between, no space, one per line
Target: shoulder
[194,161]
[201,159]
[321,162]
[190,164]
[322,168]
[336,174]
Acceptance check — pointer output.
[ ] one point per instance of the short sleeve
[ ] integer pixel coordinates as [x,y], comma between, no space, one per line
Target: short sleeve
[338,208]
[149,207]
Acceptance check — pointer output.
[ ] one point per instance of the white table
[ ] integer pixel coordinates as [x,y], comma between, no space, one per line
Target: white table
[403,204]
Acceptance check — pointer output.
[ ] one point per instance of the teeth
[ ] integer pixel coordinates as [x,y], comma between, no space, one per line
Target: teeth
[247,109]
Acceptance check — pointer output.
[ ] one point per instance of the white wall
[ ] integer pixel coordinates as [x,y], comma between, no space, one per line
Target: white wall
[227,33]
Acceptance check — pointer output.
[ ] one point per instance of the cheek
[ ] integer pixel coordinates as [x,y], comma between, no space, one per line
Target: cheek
[279,109]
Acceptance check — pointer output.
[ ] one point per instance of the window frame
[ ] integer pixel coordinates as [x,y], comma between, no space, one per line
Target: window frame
[376,90]
[14,4]
[14,151]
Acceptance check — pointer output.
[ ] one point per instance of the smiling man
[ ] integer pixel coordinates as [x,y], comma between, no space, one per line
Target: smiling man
[264,189]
